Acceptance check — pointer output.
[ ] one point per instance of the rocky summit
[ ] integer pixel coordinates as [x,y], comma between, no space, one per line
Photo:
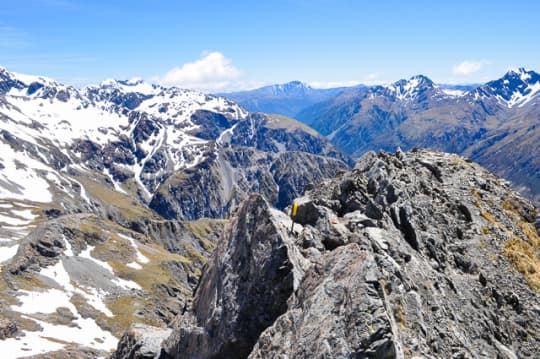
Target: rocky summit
[410,255]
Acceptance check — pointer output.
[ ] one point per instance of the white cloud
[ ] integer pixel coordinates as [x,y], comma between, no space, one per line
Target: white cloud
[469,67]
[211,73]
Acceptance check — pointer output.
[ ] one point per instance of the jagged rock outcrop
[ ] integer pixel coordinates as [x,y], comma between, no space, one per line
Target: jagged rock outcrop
[7,328]
[416,254]
[243,289]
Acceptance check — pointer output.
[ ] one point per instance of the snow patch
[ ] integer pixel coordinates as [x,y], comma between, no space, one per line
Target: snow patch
[6,253]
[454,93]
[525,96]
[86,254]
[140,257]
[126,284]
[134,265]
[19,179]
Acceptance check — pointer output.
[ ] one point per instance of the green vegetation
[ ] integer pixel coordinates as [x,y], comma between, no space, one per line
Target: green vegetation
[128,207]
[206,228]
[279,121]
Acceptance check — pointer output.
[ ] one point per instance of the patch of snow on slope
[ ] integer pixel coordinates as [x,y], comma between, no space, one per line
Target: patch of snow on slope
[19,179]
[66,121]
[140,257]
[126,284]
[59,274]
[85,332]
[44,302]
[134,265]
[519,98]
[454,93]
[117,187]
[6,253]
[12,221]
[32,343]
[24,213]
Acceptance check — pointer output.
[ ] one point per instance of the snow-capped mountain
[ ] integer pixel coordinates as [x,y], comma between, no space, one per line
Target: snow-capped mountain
[408,90]
[101,192]
[42,111]
[515,88]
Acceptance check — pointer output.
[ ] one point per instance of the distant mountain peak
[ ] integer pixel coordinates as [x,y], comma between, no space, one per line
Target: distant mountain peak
[410,89]
[515,88]
[295,83]
[13,83]
[422,79]
[522,72]
[292,86]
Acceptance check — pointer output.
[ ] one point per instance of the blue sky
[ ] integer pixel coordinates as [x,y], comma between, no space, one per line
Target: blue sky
[224,45]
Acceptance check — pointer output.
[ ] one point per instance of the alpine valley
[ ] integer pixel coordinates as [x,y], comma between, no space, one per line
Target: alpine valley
[141,221]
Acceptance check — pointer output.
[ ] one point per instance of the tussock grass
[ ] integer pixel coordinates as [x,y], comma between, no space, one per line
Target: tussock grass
[525,254]
[522,251]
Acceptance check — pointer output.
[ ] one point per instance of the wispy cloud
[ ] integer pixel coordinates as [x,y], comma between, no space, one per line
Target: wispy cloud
[469,67]
[212,72]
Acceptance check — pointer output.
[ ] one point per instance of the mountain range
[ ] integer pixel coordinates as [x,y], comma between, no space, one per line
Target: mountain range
[142,221]
[496,123]
[285,99]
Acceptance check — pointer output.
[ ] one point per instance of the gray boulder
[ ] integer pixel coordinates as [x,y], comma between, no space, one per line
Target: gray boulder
[141,342]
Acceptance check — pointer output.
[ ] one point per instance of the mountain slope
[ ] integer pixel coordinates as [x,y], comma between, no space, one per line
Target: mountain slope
[418,113]
[410,254]
[285,99]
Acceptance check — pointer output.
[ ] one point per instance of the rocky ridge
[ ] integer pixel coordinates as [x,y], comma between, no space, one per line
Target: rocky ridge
[418,254]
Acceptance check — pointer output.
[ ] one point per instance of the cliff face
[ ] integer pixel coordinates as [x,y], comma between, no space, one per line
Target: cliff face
[417,254]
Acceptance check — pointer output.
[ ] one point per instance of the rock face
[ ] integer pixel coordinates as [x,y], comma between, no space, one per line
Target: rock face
[271,155]
[244,288]
[7,328]
[416,254]
[338,310]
